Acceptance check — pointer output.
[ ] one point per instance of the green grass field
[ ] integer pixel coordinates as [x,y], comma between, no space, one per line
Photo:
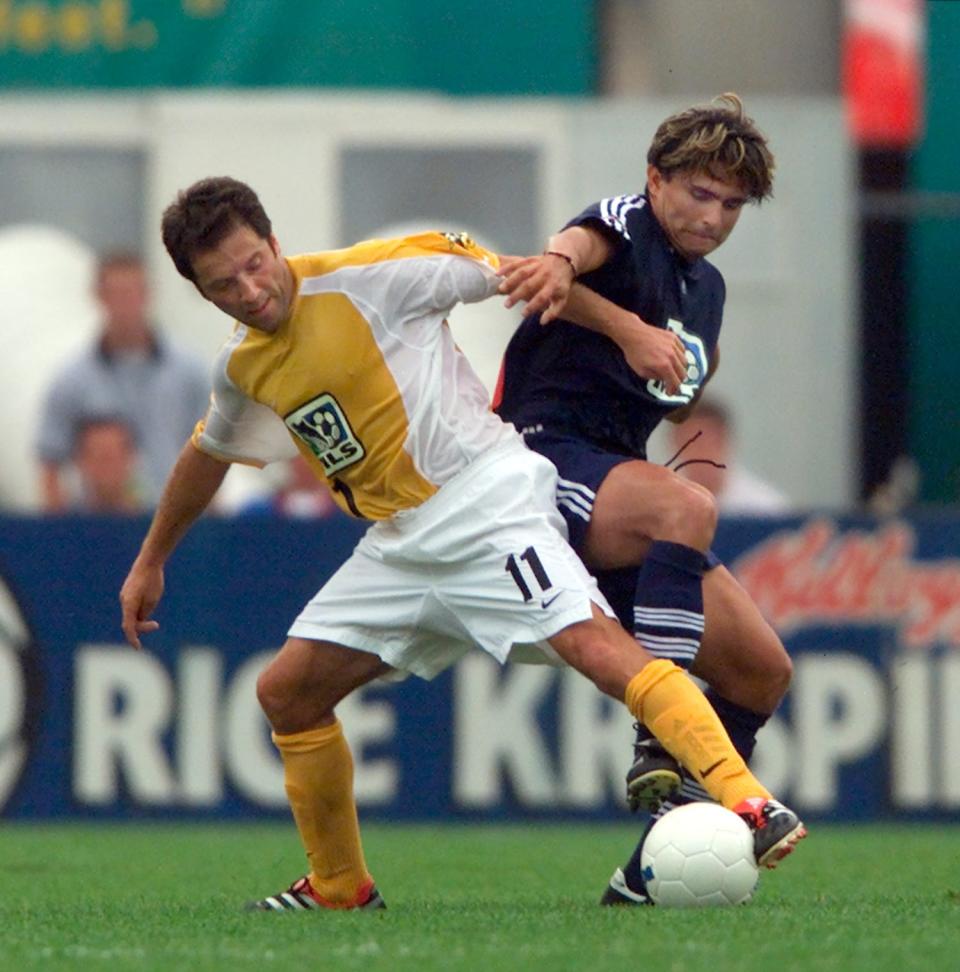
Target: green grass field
[482,897]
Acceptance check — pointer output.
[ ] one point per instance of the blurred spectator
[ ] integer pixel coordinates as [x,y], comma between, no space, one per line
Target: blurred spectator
[300,494]
[129,372]
[710,460]
[105,460]
[900,489]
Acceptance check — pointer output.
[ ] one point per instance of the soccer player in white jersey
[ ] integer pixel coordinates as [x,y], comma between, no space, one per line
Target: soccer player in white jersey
[345,357]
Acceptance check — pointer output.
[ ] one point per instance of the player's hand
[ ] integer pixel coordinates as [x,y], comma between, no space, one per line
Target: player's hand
[140,594]
[653,352]
[541,282]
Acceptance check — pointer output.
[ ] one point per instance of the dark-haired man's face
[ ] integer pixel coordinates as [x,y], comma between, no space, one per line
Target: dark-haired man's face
[122,293]
[247,278]
[105,456]
[696,210]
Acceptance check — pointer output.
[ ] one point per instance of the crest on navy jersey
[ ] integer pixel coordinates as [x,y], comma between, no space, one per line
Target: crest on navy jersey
[697,367]
[322,424]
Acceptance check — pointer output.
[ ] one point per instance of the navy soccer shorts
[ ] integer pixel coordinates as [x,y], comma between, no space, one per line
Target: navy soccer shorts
[582,467]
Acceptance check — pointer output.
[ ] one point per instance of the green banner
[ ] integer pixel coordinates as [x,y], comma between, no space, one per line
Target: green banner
[935,243]
[470,47]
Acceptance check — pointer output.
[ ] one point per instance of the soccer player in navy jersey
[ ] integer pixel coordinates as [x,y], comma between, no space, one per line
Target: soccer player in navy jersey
[633,310]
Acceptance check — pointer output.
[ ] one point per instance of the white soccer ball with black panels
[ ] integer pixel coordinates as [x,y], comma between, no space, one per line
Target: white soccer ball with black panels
[697,856]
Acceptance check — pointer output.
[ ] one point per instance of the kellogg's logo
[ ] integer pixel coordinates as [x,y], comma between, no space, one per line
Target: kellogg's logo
[817,575]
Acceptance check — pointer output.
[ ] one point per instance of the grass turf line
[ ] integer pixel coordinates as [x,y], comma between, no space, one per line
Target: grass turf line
[481,897]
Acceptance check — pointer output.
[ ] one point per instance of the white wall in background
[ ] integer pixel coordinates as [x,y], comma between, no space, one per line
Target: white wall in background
[788,341]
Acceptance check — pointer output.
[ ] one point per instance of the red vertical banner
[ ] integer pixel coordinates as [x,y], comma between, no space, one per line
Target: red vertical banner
[883,71]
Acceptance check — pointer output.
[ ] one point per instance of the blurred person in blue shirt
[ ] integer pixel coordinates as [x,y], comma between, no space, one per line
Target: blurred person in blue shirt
[130,371]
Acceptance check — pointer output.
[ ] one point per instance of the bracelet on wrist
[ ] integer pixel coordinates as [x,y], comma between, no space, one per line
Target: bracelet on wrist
[563,256]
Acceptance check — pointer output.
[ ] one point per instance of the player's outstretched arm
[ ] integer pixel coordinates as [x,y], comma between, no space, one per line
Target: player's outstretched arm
[192,485]
[543,282]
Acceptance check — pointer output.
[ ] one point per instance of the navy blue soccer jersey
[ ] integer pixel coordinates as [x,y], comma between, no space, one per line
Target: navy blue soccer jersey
[569,380]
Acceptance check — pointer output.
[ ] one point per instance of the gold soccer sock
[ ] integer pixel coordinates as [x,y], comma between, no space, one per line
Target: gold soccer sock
[679,715]
[318,777]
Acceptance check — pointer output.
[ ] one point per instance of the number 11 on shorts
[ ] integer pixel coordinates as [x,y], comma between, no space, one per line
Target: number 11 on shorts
[528,562]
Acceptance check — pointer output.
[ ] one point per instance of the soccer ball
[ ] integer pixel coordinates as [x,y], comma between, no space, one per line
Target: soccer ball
[697,856]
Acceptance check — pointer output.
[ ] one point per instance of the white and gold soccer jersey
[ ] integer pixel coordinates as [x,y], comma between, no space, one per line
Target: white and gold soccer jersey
[364,378]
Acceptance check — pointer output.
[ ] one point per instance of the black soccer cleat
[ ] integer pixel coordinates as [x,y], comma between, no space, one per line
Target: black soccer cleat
[301,896]
[618,893]
[654,776]
[776,829]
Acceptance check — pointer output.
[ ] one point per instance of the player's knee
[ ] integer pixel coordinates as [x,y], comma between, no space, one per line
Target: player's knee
[267,693]
[772,679]
[690,514]
[274,693]
[701,508]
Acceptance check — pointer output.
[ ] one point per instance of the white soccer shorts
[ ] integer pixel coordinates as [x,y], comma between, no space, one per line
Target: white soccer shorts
[484,562]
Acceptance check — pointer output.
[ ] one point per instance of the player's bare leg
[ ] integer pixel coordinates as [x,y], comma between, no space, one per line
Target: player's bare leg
[644,513]
[639,503]
[300,688]
[299,691]
[740,655]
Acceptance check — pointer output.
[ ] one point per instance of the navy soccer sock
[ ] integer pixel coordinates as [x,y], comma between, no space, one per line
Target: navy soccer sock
[632,870]
[742,724]
[668,603]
